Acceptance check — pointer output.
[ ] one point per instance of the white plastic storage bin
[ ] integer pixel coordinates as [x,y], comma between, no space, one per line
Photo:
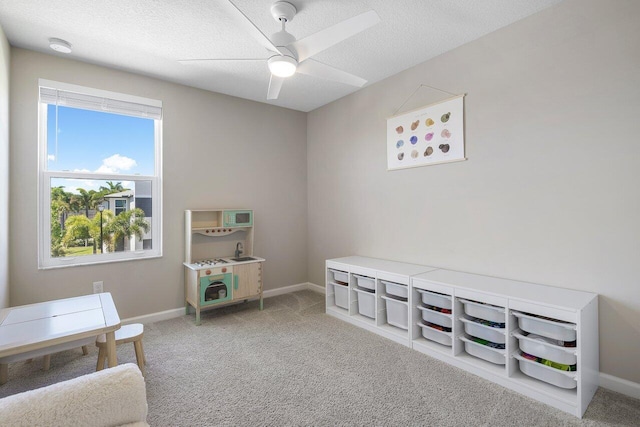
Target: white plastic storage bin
[563,379]
[366,303]
[484,352]
[484,311]
[549,328]
[436,317]
[365,282]
[435,299]
[397,312]
[541,348]
[432,334]
[342,296]
[339,276]
[485,332]
[396,289]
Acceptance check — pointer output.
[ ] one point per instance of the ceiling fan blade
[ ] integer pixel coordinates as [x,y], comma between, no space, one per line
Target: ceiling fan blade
[186,61]
[274,87]
[249,27]
[328,37]
[318,69]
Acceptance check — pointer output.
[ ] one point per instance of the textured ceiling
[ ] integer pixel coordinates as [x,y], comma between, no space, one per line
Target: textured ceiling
[149,36]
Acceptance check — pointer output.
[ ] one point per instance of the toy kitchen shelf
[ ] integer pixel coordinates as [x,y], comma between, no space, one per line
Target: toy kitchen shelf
[538,340]
[220,267]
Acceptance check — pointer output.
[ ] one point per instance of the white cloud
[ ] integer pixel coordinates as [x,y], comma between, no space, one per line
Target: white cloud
[81,170]
[116,164]
[51,157]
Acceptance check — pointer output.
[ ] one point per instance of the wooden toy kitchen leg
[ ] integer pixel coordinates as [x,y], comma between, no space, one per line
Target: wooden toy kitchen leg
[197,316]
[261,302]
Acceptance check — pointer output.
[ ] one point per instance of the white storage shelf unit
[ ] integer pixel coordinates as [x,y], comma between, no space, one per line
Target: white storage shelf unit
[451,313]
[377,294]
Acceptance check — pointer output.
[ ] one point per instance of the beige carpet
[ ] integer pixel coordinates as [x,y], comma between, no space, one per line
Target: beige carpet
[293,365]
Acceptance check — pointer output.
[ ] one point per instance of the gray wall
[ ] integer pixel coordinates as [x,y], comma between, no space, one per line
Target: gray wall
[549,192]
[219,151]
[4,169]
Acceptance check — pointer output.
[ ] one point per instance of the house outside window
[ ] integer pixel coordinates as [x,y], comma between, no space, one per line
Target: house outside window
[100,174]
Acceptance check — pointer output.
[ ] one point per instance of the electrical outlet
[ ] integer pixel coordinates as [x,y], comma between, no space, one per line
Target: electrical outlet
[97,287]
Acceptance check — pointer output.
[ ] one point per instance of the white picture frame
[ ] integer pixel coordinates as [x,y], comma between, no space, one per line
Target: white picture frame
[430,135]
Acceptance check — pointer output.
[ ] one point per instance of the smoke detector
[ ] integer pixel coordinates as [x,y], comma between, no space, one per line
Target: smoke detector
[60,45]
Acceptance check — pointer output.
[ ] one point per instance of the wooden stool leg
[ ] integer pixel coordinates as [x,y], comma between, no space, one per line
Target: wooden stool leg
[46,362]
[139,355]
[144,358]
[102,355]
[85,350]
[112,356]
[4,372]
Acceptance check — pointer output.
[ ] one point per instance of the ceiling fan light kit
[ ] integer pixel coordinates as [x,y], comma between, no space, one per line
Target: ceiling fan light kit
[290,56]
[282,66]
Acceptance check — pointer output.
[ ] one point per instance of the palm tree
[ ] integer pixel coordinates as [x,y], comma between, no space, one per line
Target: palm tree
[60,206]
[106,217]
[112,188]
[126,224]
[87,199]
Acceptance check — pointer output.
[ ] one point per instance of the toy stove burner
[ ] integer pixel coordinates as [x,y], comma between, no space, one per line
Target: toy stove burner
[208,262]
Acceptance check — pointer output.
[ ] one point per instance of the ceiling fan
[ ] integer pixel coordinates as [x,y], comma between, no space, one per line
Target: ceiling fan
[289,55]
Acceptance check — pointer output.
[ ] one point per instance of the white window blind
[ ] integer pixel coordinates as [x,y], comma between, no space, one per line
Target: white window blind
[67,98]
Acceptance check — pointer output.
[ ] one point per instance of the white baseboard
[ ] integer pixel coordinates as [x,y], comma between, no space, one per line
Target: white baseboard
[285,290]
[628,388]
[316,288]
[155,317]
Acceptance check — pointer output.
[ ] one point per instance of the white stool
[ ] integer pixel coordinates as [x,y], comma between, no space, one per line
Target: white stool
[127,333]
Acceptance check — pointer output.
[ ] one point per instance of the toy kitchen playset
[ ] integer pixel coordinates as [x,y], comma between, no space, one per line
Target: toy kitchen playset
[219,264]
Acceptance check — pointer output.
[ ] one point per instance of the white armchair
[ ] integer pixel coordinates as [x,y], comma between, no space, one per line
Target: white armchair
[112,397]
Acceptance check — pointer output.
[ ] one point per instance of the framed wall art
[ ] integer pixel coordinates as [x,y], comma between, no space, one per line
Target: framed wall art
[429,135]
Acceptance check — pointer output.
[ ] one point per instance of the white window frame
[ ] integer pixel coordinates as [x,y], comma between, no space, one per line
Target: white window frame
[45,260]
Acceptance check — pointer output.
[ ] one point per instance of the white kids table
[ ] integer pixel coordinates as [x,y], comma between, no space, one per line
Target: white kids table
[34,327]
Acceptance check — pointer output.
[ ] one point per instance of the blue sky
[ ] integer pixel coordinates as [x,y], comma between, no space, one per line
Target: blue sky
[93,141]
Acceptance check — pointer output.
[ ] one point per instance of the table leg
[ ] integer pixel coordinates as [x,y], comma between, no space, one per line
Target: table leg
[112,357]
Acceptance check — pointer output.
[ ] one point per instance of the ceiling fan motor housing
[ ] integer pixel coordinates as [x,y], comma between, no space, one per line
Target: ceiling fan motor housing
[282,10]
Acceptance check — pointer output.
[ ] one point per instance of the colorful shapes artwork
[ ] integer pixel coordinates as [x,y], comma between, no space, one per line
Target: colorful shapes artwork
[428,135]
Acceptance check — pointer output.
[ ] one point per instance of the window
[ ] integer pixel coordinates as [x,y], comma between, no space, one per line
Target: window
[120,206]
[100,175]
